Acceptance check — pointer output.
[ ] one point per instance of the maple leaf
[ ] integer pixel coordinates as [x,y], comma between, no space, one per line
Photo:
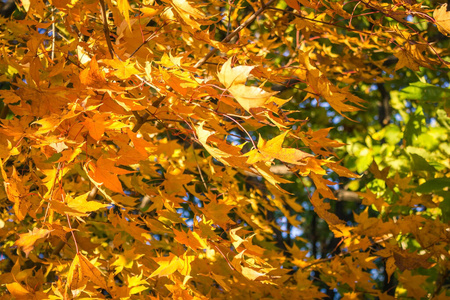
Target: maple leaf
[190,239]
[272,149]
[27,240]
[234,78]
[16,192]
[81,272]
[203,136]
[442,18]
[18,291]
[124,8]
[93,76]
[187,13]
[230,76]
[217,212]
[175,179]
[250,96]
[105,172]
[168,265]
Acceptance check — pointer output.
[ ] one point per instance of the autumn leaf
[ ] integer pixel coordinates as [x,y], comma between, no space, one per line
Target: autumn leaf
[272,149]
[167,265]
[96,126]
[203,136]
[15,192]
[442,18]
[18,291]
[124,8]
[234,78]
[28,240]
[250,96]
[237,75]
[93,76]
[229,149]
[188,13]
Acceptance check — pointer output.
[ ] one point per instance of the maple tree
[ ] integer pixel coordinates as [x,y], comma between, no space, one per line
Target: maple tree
[224,149]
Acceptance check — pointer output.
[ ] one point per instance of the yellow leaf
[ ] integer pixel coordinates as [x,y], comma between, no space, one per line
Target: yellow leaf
[124,8]
[167,265]
[187,13]
[229,76]
[405,59]
[81,204]
[269,176]
[203,136]
[250,96]
[442,18]
[124,69]
[251,273]
[234,80]
[75,280]
[185,267]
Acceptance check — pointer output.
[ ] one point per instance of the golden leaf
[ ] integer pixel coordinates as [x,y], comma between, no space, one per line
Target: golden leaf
[272,149]
[442,18]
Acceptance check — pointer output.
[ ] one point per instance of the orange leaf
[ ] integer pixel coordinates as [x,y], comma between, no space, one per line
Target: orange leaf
[27,240]
[93,76]
[96,126]
[18,291]
[91,272]
[105,177]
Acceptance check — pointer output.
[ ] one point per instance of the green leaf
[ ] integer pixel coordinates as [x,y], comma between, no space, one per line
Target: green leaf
[393,134]
[436,184]
[425,92]
[419,163]
[445,205]
[414,126]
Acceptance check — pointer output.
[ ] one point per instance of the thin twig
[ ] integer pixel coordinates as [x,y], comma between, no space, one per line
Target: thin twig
[106,28]
[149,38]
[199,170]
[52,55]
[73,233]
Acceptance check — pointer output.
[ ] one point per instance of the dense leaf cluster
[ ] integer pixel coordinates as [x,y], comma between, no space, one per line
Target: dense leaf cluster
[224,149]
